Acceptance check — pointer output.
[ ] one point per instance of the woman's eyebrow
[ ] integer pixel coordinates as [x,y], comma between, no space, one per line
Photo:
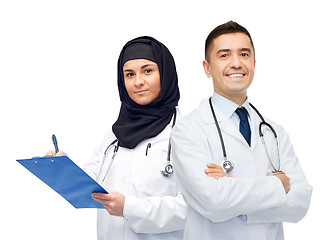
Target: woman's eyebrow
[147,65]
[144,66]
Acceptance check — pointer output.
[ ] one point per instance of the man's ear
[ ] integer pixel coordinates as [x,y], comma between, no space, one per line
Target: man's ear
[207,68]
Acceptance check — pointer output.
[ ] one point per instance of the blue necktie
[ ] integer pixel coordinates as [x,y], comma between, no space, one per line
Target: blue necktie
[244,124]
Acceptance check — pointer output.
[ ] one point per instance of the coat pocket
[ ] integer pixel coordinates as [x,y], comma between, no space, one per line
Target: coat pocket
[148,179]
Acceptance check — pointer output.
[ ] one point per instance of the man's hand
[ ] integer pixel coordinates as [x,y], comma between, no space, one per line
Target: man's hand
[113,202]
[285,181]
[216,171]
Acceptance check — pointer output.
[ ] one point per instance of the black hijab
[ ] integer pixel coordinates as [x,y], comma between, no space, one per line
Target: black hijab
[138,122]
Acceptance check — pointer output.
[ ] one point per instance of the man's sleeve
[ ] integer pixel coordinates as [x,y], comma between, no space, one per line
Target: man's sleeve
[299,196]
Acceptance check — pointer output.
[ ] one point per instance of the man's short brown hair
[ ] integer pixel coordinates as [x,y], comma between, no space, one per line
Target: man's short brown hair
[228,27]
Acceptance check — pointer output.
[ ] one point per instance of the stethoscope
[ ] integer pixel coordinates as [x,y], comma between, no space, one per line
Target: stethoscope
[227,165]
[166,170]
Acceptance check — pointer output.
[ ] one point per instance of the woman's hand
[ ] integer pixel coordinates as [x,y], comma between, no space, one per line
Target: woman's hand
[113,202]
[51,153]
[216,171]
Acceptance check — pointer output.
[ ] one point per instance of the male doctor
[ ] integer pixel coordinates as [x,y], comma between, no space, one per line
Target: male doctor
[261,188]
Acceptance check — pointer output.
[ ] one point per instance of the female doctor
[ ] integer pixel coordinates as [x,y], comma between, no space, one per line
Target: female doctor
[144,201]
[132,163]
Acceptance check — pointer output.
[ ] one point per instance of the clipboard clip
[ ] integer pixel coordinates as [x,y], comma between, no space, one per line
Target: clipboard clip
[37,157]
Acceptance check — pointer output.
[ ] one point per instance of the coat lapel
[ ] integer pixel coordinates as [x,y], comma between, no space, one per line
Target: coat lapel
[227,127]
[254,125]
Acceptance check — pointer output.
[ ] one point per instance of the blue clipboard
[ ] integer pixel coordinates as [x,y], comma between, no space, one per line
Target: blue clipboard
[66,178]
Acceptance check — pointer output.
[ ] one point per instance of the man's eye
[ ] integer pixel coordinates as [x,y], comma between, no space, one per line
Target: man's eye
[244,54]
[224,55]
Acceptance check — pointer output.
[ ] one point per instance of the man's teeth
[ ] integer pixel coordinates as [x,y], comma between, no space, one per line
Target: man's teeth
[236,75]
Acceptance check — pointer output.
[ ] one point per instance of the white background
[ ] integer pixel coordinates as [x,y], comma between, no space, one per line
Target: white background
[58,75]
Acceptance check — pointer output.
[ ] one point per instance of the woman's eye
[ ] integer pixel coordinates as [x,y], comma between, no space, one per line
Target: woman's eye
[147,70]
[129,74]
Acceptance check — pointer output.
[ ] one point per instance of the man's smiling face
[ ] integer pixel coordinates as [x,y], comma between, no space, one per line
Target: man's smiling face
[231,65]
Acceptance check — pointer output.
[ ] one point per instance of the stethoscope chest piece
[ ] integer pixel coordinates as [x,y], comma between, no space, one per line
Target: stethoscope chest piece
[227,166]
[167,169]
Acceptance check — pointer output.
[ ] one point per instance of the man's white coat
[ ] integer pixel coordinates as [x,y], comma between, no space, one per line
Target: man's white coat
[253,203]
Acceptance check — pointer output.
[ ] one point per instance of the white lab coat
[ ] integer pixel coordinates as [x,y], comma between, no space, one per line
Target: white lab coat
[154,207]
[250,205]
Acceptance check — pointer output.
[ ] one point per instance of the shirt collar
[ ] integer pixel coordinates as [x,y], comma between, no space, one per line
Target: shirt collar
[226,107]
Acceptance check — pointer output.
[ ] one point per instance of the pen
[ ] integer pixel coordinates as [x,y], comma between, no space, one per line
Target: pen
[54,139]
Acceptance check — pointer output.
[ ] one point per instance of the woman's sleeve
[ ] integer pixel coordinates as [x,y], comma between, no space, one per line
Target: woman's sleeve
[155,214]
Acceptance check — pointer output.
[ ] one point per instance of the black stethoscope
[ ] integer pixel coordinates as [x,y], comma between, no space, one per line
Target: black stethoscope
[166,170]
[227,165]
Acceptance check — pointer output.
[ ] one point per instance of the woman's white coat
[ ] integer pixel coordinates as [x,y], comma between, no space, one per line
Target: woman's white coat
[154,207]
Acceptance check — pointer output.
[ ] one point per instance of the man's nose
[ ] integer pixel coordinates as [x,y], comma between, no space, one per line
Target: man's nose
[235,62]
